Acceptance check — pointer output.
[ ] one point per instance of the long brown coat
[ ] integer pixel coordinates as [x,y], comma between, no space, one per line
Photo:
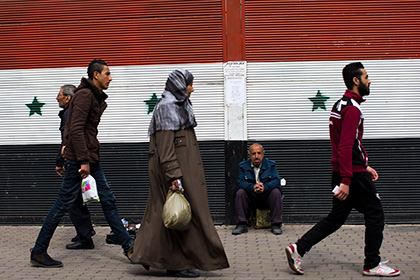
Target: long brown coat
[175,154]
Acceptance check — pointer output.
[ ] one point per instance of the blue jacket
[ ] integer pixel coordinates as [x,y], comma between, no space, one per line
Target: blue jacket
[268,175]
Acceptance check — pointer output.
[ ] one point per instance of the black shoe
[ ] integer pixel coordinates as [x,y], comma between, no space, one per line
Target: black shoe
[111,239]
[76,238]
[44,260]
[240,228]
[187,273]
[80,246]
[125,250]
[146,267]
[276,229]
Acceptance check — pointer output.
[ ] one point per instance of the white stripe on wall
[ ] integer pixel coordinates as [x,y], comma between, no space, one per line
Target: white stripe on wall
[278,107]
[125,120]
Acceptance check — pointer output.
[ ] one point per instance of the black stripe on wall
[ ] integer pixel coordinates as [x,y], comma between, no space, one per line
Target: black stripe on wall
[29,184]
[306,167]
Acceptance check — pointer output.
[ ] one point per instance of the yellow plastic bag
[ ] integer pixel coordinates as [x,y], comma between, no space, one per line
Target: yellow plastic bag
[262,218]
[176,212]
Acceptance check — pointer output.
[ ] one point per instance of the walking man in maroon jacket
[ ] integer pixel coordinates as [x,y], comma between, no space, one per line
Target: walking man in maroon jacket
[352,179]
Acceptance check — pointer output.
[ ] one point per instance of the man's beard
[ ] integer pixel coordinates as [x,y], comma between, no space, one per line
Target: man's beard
[364,89]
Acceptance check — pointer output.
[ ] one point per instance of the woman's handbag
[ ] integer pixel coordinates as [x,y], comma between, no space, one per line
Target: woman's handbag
[176,212]
[89,191]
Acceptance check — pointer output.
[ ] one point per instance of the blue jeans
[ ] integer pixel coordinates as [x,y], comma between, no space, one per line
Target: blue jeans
[69,190]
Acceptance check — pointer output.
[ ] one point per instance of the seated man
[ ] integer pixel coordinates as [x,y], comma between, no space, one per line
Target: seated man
[259,188]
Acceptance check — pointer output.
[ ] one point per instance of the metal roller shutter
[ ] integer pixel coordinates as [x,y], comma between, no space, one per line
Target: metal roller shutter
[297,49]
[331,30]
[26,196]
[51,34]
[45,44]
[305,164]
[279,104]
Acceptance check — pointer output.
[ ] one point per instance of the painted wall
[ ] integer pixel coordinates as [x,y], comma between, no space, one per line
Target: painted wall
[294,53]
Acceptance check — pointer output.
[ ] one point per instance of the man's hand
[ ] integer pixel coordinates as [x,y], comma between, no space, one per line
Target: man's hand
[84,170]
[373,174]
[343,192]
[59,170]
[259,188]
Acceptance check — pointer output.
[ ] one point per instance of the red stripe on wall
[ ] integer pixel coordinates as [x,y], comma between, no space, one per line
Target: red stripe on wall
[331,30]
[48,34]
[62,33]
[234,26]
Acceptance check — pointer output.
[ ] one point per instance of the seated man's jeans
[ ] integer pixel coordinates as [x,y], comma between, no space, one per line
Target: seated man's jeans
[272,200]
[69,190]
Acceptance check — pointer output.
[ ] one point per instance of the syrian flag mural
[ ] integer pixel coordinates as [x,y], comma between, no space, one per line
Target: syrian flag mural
[292,54]
[283,101]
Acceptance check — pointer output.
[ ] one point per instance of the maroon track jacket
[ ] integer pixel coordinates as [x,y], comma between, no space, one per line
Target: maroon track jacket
[346,133]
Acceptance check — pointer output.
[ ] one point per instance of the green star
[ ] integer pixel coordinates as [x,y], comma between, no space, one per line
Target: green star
[318,101]
[35,107]
[151,103]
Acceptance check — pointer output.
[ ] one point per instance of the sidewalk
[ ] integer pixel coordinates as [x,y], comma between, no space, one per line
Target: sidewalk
[257,254]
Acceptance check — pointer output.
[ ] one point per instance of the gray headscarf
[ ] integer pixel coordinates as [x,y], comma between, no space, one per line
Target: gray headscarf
[174,110]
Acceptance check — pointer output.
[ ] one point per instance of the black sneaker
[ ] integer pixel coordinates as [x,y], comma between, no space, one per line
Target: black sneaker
[276,229]
[42,259]
[240,228]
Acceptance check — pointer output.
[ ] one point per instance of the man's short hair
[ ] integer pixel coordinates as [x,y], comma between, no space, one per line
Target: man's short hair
[68,90]
[96,65]
[249,150]
[350,71]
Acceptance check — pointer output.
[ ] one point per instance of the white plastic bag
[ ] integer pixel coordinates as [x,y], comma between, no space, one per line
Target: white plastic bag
[89,190]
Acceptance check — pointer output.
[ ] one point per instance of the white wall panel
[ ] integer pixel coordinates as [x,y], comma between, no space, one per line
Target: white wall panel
[279,107]
[126,119]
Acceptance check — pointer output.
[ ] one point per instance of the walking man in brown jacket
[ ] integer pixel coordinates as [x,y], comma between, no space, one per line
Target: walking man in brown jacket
[81,151]
[79,214]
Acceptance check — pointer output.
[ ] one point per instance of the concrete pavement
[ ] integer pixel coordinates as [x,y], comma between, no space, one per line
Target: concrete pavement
[257,254]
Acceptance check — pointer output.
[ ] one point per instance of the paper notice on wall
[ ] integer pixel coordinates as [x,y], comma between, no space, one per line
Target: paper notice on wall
[235,89]
[235,75]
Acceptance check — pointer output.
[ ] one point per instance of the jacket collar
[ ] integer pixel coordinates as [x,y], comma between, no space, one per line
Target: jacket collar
[351,94]
[61,113]
[87,83]
[263,165]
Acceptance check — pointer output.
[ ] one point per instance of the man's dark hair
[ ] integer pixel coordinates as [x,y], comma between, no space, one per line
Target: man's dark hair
[96,65]
[68,90]
[350,71]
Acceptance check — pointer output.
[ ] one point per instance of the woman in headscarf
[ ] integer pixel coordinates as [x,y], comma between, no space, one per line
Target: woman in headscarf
[174,155]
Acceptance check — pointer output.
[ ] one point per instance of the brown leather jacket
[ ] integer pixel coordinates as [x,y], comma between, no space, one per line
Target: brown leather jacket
[85,111]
